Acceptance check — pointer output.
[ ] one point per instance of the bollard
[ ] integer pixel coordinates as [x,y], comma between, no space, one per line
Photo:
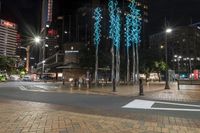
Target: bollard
[114,85]
[141,87]
[178,85]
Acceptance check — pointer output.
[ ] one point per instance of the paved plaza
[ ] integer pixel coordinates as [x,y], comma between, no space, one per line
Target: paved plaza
[31,117]
[36,117]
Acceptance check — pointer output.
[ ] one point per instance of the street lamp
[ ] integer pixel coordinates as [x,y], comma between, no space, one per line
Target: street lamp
[37,39]
[179,58]
[167,31]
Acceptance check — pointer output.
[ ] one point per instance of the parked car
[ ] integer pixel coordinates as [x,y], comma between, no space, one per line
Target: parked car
[26,78]
[14,77]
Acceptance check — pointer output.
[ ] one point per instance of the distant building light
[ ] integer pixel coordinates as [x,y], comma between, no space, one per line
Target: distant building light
[71,79]
[60,17]
[56,46]
[71,51]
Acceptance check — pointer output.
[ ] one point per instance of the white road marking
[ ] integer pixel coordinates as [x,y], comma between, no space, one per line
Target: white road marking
[23,88]
[145,104]
[26,89]
[139,104]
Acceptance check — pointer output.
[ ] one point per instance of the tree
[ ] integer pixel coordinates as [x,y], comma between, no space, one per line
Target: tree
[7,64]
[159,66]
[97,34]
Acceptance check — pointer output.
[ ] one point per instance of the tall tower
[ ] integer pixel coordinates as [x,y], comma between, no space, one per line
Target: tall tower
[143,5]
[46,19]
[8,38]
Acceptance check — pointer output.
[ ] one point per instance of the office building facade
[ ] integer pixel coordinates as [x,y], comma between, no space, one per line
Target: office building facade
[183,45]
[8,38]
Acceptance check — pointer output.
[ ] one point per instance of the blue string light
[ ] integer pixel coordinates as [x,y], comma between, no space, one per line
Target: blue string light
[97,31]
[128,31]
[135,20]
[115,25]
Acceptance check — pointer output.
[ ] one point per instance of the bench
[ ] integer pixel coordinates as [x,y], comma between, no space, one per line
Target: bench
[187,82]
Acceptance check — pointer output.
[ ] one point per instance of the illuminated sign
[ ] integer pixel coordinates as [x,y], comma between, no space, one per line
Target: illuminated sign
[71,51]
[52,32]
[8,24]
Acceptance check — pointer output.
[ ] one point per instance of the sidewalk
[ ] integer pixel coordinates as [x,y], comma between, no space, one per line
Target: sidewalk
[153,91]
[122,90]
[32,117]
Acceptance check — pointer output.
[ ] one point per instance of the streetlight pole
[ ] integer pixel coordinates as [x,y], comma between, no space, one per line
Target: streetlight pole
[179,59]
[168,30]
[37,40]
[28,58]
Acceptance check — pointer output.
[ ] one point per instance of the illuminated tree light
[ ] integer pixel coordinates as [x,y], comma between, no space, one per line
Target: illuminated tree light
[135,19]
[97,26]
[112,7]
[115,23]
[128,31]
[117,32]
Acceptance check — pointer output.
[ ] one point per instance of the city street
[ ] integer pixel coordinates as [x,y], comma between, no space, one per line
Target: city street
[99,66]
[128,108]
[90,103]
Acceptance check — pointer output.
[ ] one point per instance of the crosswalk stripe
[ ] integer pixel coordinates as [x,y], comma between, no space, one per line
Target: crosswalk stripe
[146,104]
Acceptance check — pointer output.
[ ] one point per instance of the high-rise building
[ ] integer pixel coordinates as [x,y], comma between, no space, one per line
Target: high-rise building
[182,48]
[8,38]
[46,19]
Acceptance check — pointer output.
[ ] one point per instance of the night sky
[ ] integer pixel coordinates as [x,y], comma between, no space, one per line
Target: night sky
[26,13]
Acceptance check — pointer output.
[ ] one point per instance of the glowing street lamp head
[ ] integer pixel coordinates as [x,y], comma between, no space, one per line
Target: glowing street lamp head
[168,30]
[37,39]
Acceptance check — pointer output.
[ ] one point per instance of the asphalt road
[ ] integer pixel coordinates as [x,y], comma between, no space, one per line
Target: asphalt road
[83,103]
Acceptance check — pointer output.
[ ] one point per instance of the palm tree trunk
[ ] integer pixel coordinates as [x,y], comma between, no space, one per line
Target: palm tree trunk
[128,66]
[96,67]
[117,66]
[137,64]
[134,78]
[113,62]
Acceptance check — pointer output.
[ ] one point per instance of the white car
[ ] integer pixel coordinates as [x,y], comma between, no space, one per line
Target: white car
[26,78]
[14,77]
